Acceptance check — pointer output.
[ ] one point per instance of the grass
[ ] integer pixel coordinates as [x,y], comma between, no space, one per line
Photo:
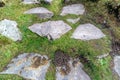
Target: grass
[31,42]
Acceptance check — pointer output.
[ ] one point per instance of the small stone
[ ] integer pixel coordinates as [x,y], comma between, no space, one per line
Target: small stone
[29,66]
[77,9]
[73,21]
[9,29]
[87,32]
[51,29]
[41,12]
[30,1]
[102,56]
[48,1]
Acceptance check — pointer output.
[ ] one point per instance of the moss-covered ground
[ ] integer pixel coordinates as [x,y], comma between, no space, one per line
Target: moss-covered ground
[98,69]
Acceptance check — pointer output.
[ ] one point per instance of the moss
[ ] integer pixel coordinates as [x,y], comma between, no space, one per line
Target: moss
[31,42]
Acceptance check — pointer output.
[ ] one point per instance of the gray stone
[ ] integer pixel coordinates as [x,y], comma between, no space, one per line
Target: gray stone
[117,65]
[87,32]
[51,29]
[73,21]
[29,66]
[48,1]
[30,1]
[41,12]
[76,72]
[77,9]
[9,29]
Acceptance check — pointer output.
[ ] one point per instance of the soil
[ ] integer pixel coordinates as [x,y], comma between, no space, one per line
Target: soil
[62,60]
[2,4]
[38,61]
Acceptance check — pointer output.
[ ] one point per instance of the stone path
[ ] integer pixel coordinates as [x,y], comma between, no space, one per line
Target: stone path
[35,66]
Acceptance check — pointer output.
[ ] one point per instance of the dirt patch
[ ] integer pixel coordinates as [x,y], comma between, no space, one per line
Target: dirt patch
[115,44]
[2,4]
[38,61]
[115,10]
[62,60]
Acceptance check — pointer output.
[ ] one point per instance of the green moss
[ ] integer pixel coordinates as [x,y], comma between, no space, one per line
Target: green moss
[31,42]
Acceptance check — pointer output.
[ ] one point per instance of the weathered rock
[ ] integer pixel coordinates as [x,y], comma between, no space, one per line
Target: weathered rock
[30,1]
[41,12]
[9,29]
[67,68]
[73,21]
[117,65]
[29,66]
[51,29]
[87,32]
[76,72]
[77,9]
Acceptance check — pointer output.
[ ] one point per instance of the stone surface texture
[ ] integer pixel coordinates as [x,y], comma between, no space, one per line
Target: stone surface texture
[76,9]
[10,30]
[76,72]
[41,12]
[87,32]
[29,66]
[51,29]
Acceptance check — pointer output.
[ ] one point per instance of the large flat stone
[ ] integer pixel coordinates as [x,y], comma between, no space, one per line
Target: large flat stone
[68,68]
[77,9]
[9,29]
[87,32]
[29,66]
[76,73]
[51,29]
[41,12]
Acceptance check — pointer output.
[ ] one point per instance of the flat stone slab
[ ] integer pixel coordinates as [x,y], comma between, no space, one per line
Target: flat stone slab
[77,9]
[30,1]
[9,29]
[76,72]
[117,65]
[51,29]
[41,12]
[68,68]
[87,32]
[31,66]
[73,21]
